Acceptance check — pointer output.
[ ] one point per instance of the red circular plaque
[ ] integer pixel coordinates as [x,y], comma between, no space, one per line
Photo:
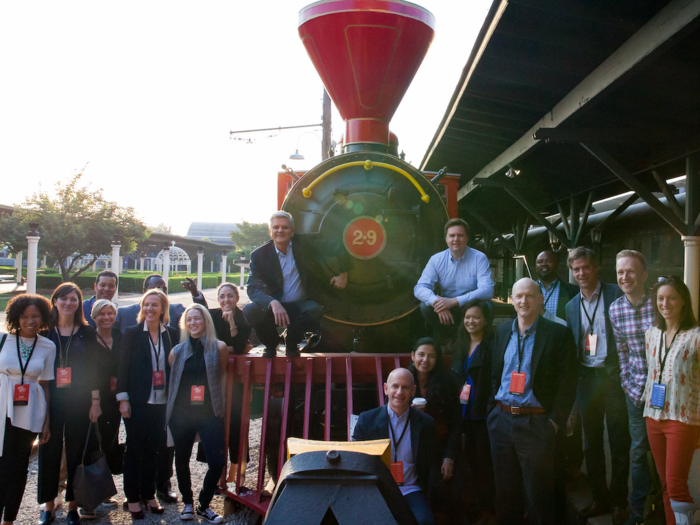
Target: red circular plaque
[364,237]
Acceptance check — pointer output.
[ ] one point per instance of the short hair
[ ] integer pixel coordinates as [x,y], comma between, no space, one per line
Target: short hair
[550,252]
[581,252]
[281,214]
[107,273]
[209,329]
[634,254]
[62,291]
[230,285]
[149,277]
[99,305]
[165,316]
[687,317]
[18,304]
[457,222]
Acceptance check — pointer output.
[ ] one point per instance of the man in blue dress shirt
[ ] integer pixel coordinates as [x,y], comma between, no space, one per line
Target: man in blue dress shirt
[533,386]
[105,288]
[451,278]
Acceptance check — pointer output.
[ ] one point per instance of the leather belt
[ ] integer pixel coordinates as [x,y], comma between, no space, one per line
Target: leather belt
[521,411]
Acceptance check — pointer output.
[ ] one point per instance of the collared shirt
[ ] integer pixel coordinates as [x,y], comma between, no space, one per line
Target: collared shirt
[551,317]
[404,452]
[597,299]
[629,324]
[551,295]
[292,289]
[466,278]
[510,365]
[157,397]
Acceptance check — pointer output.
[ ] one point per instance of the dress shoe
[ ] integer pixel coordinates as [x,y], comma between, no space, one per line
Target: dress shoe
[46,517]
[619,514]
[137,515]
[73,518]
[594,509]
[166,496]
[634,520]
[269,352]
[157,509]
[292,351]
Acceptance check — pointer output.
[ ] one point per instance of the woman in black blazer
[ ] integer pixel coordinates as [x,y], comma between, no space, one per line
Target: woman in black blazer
[142,394]
[471,361]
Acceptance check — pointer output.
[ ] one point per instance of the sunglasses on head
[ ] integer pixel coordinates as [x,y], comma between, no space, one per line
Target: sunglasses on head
[669,279]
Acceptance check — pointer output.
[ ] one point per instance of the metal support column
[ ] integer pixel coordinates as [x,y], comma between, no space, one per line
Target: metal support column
[691,268]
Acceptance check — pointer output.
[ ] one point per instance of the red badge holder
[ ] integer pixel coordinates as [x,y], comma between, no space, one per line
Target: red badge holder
[63,377]
[517,383]
[197,395]
[113,384]
[397,471]
[21,396]
[159,380]
[465,393]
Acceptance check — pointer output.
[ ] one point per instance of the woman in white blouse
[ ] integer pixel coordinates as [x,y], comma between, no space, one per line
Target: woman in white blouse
[26,367]
[672,394]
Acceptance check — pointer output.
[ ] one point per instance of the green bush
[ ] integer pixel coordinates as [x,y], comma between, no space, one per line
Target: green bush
[133,283]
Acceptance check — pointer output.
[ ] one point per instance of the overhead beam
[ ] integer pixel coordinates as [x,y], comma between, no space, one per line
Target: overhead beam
[669,21]
[584,219]
[486,224]
[668,193]
[692,193]
[618,211]
[635,185]
[620,136]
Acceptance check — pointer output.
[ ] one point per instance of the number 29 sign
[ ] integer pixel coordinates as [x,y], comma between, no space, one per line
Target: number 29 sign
[364,237]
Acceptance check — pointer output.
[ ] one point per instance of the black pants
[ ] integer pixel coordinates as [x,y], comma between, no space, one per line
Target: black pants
[109,430]
[184,428]
[67,424]
[477,455]
[13,468]
[522,448]
[304,316]
[145,433]
[601,400]
[443,332]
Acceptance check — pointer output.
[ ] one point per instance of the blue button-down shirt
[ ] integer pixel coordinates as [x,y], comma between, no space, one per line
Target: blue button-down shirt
[466,278]
[599,329]
[551,295]
[292,289]
[510,365]
[404,452]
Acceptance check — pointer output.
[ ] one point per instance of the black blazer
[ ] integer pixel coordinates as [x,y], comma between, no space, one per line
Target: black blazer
[480,372]
[567,292]
[554,368]
[135,367]
[573,318]
[374,424]
[223,330]
[265,283]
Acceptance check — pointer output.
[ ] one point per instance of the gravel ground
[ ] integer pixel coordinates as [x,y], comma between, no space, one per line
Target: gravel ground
[29,512]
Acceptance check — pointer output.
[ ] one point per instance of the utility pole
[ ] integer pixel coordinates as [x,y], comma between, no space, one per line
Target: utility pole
[326,126]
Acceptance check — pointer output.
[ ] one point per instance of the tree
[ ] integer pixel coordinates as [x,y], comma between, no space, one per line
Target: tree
[75,223]
[162,228]
[248,235]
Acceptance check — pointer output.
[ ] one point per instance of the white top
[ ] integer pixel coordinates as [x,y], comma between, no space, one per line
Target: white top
[30,417]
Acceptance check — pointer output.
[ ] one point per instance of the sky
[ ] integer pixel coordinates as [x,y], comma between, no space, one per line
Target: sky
[141,97]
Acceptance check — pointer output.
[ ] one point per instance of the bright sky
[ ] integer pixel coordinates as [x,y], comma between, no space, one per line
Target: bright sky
[147,92]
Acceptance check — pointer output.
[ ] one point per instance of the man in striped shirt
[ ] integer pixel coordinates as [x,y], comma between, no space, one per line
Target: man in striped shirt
[631,316]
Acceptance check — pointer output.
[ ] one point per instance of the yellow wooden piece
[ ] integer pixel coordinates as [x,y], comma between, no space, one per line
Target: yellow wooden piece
[379,447]
[368,165]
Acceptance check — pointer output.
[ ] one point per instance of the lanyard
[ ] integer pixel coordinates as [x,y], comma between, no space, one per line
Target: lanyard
[158,351]
[521,347]
[103,342]
[63,361]
[591,319]
[662,360]
[468,361]
[23,369]
[551,292]
[393,436]
[195,346]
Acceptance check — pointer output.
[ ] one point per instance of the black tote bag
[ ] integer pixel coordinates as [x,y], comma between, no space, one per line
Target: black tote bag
[93,484]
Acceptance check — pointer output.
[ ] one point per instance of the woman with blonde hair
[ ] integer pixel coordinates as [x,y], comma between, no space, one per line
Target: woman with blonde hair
[196,405]
[142,384]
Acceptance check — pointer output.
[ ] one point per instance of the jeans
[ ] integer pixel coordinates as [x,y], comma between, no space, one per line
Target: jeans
[420,508]
[638,464]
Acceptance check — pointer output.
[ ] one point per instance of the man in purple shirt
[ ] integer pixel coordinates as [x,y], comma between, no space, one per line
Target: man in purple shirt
[631,316]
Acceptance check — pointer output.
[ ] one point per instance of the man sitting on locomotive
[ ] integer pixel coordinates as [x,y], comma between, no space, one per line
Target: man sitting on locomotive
[277,289]
[451,279]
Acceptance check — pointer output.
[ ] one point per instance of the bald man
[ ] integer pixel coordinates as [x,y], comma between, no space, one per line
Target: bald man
[533,386]
[412,434]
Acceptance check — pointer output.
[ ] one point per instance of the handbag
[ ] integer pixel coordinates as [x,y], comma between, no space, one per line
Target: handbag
[93,484]
[654,506]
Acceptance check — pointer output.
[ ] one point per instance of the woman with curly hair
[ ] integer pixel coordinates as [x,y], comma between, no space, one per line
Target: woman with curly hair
[26,367]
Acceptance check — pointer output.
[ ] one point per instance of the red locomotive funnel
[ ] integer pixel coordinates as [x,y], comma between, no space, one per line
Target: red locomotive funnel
[366,52]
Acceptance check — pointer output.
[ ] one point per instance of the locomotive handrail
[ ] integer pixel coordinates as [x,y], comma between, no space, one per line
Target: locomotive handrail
[368,164]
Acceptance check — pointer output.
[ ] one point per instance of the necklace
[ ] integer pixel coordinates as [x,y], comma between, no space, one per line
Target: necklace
[24,349]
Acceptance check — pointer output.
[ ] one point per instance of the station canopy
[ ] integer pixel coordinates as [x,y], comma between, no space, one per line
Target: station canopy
[583,99]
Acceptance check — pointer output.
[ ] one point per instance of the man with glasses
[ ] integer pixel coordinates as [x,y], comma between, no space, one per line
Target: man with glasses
[630,317]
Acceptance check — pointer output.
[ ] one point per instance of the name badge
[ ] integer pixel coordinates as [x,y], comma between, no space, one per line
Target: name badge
[517,383]
[591,345]
[63,379]
[159,380]
[464,394]
[397,471]
[21,396]
[197,395]
[112,384]
[658,396]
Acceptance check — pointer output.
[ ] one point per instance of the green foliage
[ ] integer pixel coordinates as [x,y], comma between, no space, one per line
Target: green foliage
[75,222]
[162,228]
[248,235]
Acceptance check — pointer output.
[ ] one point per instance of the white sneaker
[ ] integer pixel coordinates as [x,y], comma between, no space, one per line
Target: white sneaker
[209,515]
[187,513]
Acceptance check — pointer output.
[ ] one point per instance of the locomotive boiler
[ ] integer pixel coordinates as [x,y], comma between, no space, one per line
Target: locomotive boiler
[367,204]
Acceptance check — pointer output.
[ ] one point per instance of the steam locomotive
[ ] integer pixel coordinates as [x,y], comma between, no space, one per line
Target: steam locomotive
[386,215]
